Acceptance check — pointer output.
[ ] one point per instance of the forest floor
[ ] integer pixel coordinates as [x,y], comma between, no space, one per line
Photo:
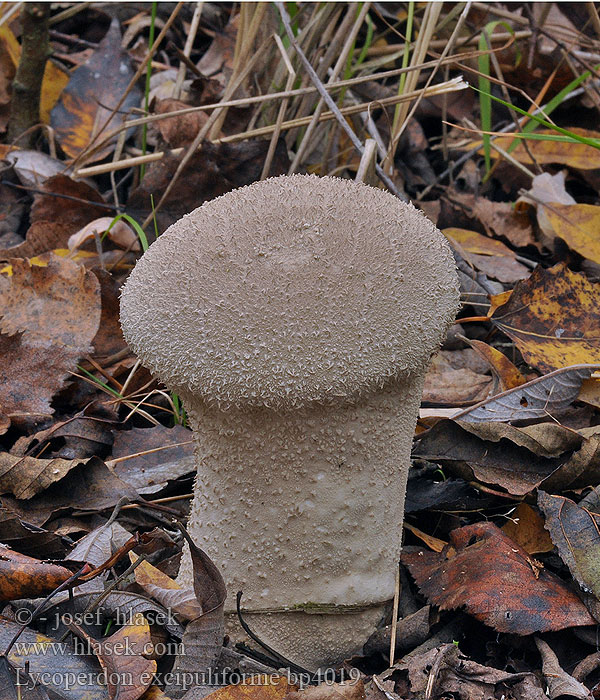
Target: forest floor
[484,116]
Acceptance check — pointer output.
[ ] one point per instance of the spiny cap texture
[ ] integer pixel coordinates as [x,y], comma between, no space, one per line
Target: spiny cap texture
[292,290]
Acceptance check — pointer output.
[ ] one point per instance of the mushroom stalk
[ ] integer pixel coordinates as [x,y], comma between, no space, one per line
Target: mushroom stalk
[289,505]
[296,318]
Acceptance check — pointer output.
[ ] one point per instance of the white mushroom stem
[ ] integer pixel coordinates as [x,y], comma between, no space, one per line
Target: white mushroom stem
[302,509]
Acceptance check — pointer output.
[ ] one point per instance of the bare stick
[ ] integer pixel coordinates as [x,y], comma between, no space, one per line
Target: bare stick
[27,85]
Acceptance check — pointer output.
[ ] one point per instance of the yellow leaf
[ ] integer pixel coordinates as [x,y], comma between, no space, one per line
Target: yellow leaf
[554,318]
[578,226]
[575,155]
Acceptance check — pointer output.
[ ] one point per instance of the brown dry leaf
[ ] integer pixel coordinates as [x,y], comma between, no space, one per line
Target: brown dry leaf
[516,459]
[49,316]
[121,234]
[499,219]
[149,473]
[497,582]
[72,214]
[575,155]
[525,526]
[560,683]
[109,338]
[94,89]
[276,688]
[25,477]
[55,79]
[87,487]
[506,373]
[489,255]
[55,671]
[41,237]
[554,318]
[182,130]
[445,672]
[576,533]
[24,577]
[542,397]
[348,690]
[203,638]
[448,383]
[167,592]
[100,544]
[121,655]
[434,543]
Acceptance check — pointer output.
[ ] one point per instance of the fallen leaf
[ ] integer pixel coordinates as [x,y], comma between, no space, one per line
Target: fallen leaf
[57,667]
[577,225]
[87,102]
[554,318]
[272,687]
[166,591]
[87,487]
[525,526]
[577,155]
[149,473]
[446,672]
[49,316]
[128,673]
[516,459]
[560,683]
[179,131]
[72,203]
[451,385]
[120,233]
[576,533]
[545,396]
[506,373]
[33,541]
[25,477]
[100,544]
[24,577]
[487,254]
[203,637]
[347,690]
[497,582]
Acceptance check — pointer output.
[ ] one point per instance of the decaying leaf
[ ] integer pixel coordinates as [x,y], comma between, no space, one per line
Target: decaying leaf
[516,459]
[49,315]
[181,601]
[576,533]
[56,672]
[87,102]
[24,577]
[487,254]
[507,375]
[120,233]
[99,545]
[560,683]
[577,225]
[203,637]
[546,151]
[553,317]
[525,526]
[25,477]
[497,582]
[543,397]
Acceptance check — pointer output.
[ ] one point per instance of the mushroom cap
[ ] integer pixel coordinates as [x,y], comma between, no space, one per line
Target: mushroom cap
[291,290]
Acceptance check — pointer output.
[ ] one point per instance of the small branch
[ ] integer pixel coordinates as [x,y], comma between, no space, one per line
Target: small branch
[27,85]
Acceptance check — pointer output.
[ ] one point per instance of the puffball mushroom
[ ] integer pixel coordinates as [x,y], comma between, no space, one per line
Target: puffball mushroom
[296,318]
